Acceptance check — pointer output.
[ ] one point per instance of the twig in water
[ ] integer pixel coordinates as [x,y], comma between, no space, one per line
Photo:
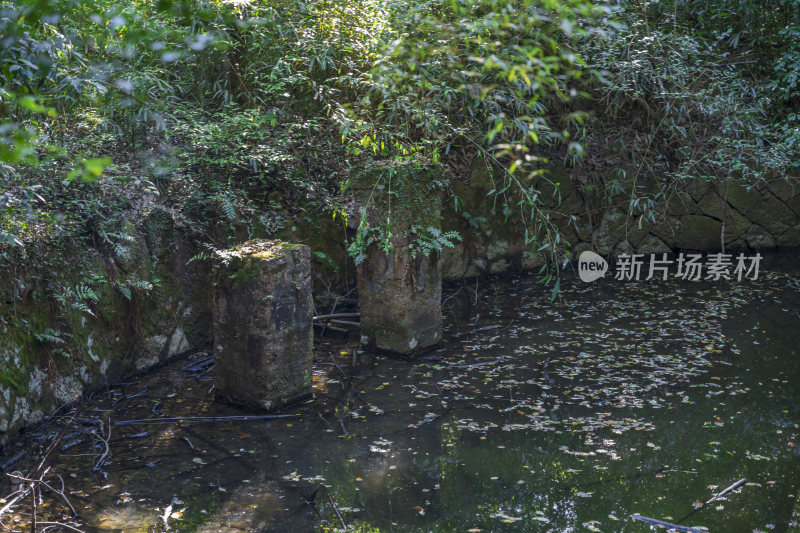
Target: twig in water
[715,497]
[20,494]
[666,525]
[179,419]
[188,443]
[61,524]
[33,507]
[62,494]
[338,315]
[58,440]
[99,464]
[336,509]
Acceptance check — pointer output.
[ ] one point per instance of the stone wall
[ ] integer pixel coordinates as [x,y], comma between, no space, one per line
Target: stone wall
[75,318]
[706,216]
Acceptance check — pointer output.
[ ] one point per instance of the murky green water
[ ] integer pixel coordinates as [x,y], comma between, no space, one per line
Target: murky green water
[534,416]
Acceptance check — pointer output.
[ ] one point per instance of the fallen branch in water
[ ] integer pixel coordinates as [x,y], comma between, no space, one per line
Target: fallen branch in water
[22,493]
[172,420]
[729,489]
[99,464]
[346,323]
[336,509]
[61,524]
[716,497]
[666,525]
[18,495]
[338,315]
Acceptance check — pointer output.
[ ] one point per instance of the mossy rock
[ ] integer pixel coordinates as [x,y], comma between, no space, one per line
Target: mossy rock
[757,238]
[681,203]
[790,238]
[611,229]
[735,223]
[772,214]
[742,197]
[652,245]
[262,323]
[699,232]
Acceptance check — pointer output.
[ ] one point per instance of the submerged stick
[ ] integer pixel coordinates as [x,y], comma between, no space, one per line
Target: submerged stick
[715,497]
[338,315]
[61,524]
[666,525]
[33,508]
[99,464]
[336,509]
[12,461]
[729,489]
[346,323]
[236,418]
[22,493]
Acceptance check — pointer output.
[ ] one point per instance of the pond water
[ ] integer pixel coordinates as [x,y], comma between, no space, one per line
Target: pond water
[619,398]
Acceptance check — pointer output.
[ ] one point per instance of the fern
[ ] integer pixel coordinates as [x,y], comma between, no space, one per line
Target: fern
[201,256]
[432,243]
[126,292]
[49,335]
[85,293]
[228,208]
[136,284]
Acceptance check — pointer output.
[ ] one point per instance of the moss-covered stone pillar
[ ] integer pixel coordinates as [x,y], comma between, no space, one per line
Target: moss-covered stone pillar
[399,273]
[262,323]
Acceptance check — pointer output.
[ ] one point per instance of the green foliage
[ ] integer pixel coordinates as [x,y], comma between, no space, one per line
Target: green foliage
[695,90]
[49,336]
[240,117]
[133,284]
[80,297]
[366,235]
[430,241]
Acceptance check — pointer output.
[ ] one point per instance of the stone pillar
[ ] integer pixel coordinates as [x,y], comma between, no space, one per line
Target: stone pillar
[262,323]
[399,287]
[400,299]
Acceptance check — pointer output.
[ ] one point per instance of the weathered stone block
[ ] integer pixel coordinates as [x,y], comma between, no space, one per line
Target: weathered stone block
[681,203]
[785,188]
[740,196]
[652,245]
[400,245]
[262,323]
[772,214]
[758,238]
[791,238]
[400,299]
[700,233]
[713,206]
[610,231]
